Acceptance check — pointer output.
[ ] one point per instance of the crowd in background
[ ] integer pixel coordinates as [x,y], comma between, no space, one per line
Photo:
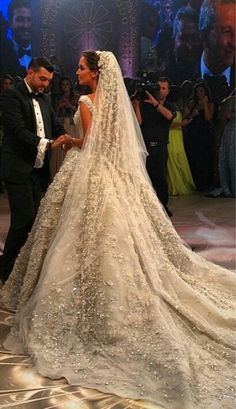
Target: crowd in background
[201,149]
[192,43]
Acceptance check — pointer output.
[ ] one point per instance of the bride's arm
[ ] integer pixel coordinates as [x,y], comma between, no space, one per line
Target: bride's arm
[85,116]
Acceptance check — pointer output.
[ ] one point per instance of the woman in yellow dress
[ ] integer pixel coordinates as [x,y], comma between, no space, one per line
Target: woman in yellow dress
[179,176]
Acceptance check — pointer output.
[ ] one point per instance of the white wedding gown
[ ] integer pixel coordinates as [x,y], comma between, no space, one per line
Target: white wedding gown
[108,296]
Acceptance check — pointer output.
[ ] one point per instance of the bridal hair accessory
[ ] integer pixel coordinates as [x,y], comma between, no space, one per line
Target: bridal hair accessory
[105,60]
[109,73]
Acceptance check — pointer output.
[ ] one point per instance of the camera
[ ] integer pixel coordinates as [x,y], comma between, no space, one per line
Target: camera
[147,82]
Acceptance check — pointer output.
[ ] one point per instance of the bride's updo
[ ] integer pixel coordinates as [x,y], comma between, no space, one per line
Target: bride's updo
[92,59]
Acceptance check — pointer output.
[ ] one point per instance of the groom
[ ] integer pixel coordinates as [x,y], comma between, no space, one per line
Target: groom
[30,127]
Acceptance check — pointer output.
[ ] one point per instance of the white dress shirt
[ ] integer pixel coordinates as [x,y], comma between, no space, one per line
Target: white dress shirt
[42,146]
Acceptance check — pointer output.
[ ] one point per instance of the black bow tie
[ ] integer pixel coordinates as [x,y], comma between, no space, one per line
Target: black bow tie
[23,51]
[35,96]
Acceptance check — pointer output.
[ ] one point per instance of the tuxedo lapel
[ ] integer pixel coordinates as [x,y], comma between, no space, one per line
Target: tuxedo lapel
[22,88]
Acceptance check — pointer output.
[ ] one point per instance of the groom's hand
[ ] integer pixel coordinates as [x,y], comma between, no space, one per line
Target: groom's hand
[65,141]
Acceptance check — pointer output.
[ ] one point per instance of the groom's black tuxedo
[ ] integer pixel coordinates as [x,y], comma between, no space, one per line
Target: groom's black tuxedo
[20,139]
[24,183]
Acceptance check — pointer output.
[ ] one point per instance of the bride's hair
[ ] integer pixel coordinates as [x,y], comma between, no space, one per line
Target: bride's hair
[92,59]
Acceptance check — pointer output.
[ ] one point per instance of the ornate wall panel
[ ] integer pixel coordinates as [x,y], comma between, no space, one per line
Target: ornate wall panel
[66,27]
[128,41]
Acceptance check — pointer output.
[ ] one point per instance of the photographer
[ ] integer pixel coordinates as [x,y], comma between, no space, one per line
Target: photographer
[154,115]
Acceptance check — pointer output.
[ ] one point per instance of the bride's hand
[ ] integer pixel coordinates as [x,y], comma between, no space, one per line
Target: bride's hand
[78,142]
[65,141]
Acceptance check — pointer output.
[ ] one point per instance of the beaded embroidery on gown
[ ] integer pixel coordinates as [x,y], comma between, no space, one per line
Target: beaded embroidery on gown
[117,302]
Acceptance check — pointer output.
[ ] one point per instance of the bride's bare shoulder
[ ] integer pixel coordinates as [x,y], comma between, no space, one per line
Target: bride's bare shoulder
[88,97]
[91,96]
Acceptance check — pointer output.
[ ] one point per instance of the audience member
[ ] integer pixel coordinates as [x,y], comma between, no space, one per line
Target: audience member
[185,97]
[163,40]
[154,115]
[179,176]
[5,83]
[18,79]
[199,137]
[227,146]
[57,65]
[65,108]
[184,59]
[195,4]
[149,28]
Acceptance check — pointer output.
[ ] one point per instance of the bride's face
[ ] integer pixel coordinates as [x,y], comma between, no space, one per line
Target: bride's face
[84,74]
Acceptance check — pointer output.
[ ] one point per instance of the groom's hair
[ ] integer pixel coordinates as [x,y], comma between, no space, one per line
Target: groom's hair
[37,62]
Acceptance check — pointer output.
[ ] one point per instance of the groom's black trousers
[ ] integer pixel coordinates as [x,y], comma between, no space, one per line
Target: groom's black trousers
[24,199]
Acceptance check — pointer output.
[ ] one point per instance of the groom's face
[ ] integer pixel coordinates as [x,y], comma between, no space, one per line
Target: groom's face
[39,80]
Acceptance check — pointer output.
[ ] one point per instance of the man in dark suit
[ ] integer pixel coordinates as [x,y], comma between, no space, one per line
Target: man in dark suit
[155,115]
[217,65]
[16,53]
[187,48]
[217,29]
[29,125]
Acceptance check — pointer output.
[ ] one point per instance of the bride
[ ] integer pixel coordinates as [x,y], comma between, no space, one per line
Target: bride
[106,293]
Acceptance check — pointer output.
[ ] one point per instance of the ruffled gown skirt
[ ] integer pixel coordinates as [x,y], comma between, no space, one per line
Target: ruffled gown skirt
[108,297]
